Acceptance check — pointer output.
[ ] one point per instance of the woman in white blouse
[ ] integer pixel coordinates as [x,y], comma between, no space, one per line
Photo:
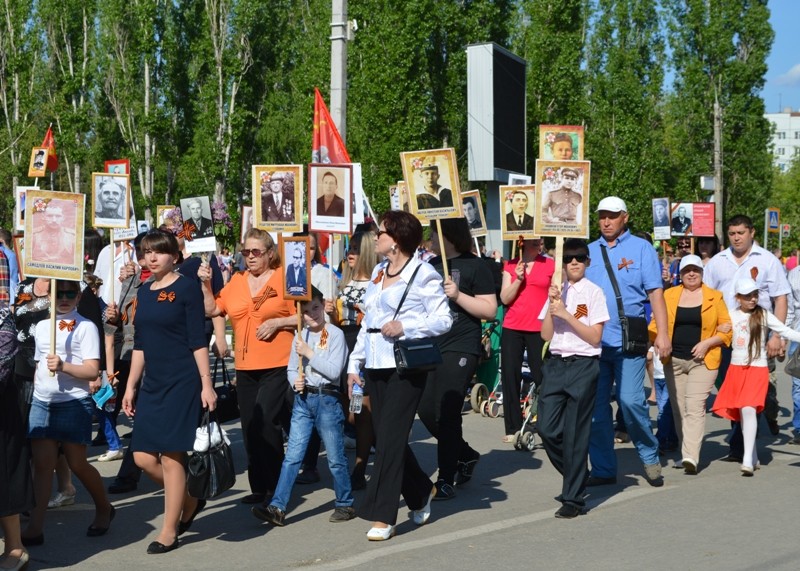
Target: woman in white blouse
[395,397]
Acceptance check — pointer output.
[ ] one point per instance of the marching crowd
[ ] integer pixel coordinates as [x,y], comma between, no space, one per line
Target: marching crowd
[617,315]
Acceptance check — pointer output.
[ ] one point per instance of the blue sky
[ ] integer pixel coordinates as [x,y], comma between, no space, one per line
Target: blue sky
[782,88]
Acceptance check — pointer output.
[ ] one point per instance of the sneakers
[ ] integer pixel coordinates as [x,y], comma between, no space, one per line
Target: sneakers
[568,511]
[270,514]
[794,440]
[689,466]
[444,491]
[111,455]
[652,473]
[465,470]
[381,533]
[60,500]
[422,515]
[342,514]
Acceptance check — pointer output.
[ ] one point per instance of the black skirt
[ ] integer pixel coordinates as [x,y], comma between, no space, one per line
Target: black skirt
[16,486]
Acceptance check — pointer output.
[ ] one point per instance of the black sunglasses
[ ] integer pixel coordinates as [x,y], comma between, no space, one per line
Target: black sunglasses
[255,251]
[580,258]
[69,294]
[380,233]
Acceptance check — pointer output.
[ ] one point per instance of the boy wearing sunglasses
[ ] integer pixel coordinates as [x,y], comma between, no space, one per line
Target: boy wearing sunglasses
[573,323]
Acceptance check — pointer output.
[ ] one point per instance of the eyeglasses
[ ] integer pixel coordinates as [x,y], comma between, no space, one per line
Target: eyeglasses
[352,252]
[580,258]
[683,244]
[255,251]
[380,233]
[69,294]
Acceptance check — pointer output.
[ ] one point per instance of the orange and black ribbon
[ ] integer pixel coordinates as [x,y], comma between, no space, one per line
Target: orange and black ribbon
[754,272]
[521,245]
[623,265]
[269,292]
[379,278]
[323,339]
[581,311]
[125,318]
[68,325]
[24,297]
[164,296]
[188,229]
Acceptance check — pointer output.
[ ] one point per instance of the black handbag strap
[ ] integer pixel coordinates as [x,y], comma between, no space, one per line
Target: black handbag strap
[225,375]
[405,293]
[613,279]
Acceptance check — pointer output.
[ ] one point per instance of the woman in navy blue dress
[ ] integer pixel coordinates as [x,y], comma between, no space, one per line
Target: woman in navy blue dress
[171,341]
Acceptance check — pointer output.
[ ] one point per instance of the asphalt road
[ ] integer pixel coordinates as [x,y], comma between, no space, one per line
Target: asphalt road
[503,517]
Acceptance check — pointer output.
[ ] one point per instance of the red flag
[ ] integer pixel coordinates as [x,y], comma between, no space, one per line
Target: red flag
[50,144]
[327,145]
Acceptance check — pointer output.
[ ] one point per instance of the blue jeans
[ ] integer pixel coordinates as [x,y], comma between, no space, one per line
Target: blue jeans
[325,413]
[666,435]
[629,374]
[107,424]
[793,346]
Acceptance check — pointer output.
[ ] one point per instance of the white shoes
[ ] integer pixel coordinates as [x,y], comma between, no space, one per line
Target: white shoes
[111,455]
[381,533]
[422,516]
[60,500]
[689,466]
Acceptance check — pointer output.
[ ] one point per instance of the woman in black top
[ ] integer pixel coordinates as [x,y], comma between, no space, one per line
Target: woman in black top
[471,293]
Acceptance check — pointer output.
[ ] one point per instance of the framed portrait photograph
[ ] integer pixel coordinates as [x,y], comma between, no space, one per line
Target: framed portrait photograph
[661,222]
[432,181]
[681,218]
[38,165]
[118,166]
[472,206]
[246,216]
[398,196]
[562,207]
[330,198]
[296,255]
[278,197]
[515,179]
[161,214]
[19,207]
[19,250]
[198,224]
[110,200]
[560,143]
[54,224]
[123,166]
[517,208]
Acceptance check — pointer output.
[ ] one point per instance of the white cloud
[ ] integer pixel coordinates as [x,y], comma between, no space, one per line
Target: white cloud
[791,77]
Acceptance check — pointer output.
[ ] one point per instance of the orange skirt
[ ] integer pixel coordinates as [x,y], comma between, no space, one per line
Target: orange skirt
[743,386]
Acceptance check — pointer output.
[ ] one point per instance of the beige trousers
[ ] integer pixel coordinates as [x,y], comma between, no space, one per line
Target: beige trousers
[689,383]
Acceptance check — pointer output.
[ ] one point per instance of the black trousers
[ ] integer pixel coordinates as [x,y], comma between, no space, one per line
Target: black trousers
[441,407]
[265,404]
[566,403]
[396,471]
[513,346]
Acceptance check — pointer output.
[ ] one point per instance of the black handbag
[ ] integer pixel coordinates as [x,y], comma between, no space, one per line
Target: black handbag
[227,397]
[212,472]
[635,336]
[792,367]
[415,354]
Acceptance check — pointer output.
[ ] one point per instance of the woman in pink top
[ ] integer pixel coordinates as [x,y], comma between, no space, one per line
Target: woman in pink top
[524,293]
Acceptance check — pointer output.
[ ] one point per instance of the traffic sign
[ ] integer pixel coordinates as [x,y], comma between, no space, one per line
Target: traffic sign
[773,220]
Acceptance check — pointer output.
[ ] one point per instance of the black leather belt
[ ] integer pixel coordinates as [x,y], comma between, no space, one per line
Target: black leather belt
[311,390]
[571,358]
[373,330]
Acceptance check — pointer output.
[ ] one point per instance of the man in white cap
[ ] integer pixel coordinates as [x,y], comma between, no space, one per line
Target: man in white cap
[746,259]
[637,271]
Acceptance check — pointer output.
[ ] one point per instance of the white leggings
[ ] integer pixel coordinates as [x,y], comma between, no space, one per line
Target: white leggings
[749,429]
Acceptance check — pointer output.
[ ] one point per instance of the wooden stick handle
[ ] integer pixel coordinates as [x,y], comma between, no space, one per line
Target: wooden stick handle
[52,320]
[441,247]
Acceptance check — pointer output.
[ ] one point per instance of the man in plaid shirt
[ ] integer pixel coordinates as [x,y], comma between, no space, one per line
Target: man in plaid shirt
[5,296]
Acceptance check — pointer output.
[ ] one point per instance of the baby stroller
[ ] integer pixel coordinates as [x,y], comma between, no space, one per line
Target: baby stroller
[480,397]
[525,438]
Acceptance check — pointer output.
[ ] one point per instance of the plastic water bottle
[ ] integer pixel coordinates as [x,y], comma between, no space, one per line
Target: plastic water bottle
[111,403]
[358,396]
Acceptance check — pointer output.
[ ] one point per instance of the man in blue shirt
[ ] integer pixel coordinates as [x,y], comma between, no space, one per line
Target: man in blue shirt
[7,246]
[638,273]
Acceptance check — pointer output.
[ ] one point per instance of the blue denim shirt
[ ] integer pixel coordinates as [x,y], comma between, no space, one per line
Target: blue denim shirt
[637,268]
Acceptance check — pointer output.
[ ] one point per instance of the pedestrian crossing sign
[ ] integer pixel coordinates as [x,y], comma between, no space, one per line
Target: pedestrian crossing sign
[773,220]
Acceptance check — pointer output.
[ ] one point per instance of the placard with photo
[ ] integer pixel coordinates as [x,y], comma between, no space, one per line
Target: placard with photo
[398,196]
[19,207]
[198,225]
[517,205]
[296,255]
[110,200]
[681,219]
[560,143]
[661,226]
[330,198]
[472,206]
[278,197]
[19,250]
[54,226]
[432,180]
[562,207]
[246,217]
[161,214]
[123,166]
[37,168]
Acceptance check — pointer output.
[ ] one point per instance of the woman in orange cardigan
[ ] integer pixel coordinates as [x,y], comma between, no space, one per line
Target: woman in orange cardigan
[699,325]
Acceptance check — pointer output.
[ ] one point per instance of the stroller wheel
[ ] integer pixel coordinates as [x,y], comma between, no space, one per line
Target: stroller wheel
[529,440]
[494,408]
[485,407]
[477,396]
[517,440]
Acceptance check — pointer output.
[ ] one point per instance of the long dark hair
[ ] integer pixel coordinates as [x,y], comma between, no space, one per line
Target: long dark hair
[756,323]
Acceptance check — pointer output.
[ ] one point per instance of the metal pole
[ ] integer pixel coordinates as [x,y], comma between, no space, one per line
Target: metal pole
[718,168]
[339,33]
[766,228]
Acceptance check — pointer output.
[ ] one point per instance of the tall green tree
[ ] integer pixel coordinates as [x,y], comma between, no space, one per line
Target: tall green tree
[719,51]
[625,73]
